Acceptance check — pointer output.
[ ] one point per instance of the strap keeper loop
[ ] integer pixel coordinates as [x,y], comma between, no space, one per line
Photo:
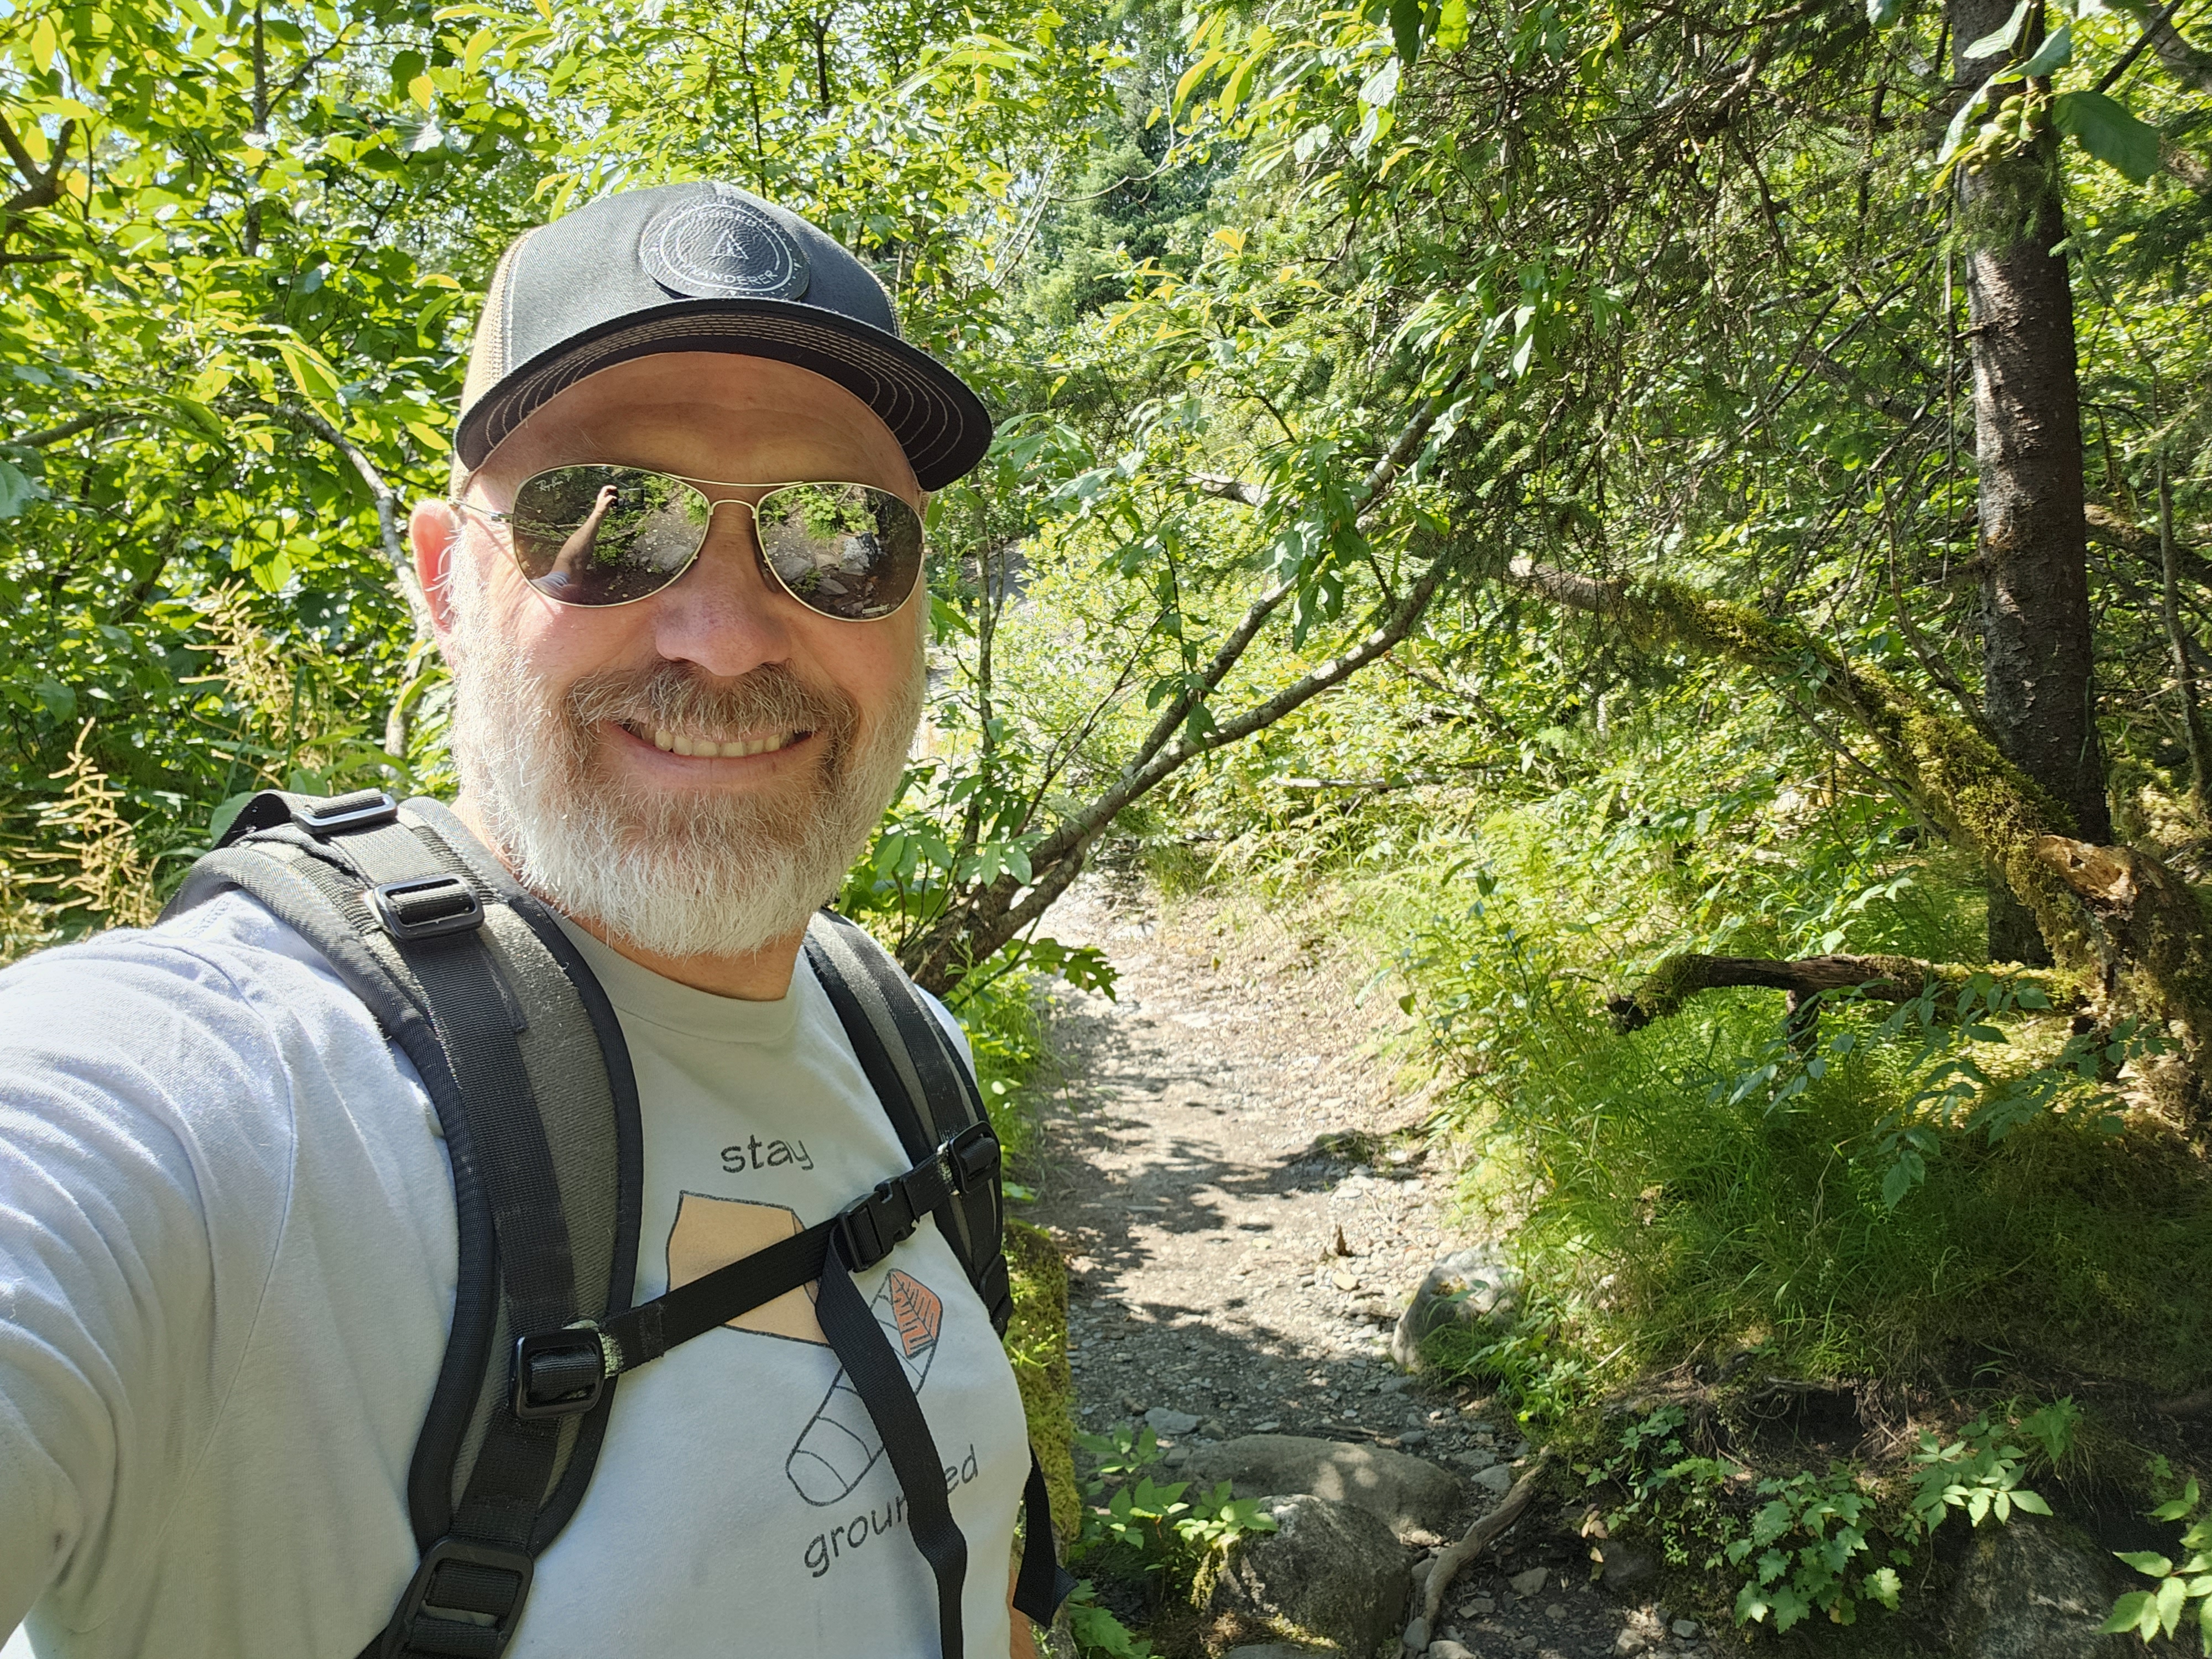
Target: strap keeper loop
[971,1156]
[559,1373]
[420,1604]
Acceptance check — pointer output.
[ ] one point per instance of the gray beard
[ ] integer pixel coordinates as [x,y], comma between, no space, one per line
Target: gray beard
[674,872]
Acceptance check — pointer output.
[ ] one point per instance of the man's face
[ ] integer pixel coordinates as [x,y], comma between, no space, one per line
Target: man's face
[570,721]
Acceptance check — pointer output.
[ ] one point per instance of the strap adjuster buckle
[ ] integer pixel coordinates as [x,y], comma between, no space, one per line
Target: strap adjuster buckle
[558,1373]
[360,810]
[970,1156]
[869,1227]
[473,1588]
[427,906]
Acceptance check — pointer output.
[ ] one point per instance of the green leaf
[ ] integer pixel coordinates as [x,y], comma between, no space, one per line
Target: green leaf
[2127,1613]
[2055,53]
[17,490]
[2024,1499]
[2000,39]
[2146,1561]
[1882,14]
[1966,113]
[2109,132]
[2171,1596]
[1405,33]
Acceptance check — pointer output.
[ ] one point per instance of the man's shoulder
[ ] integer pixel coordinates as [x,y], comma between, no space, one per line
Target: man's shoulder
[230,950]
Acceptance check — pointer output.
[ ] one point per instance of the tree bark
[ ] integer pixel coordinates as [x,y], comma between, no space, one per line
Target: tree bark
[2037,658]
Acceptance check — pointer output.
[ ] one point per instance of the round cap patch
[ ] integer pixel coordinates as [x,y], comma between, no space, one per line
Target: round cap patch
[726,248]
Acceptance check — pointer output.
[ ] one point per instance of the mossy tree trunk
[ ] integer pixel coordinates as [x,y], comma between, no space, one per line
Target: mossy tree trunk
[2122,928]
[2037,658]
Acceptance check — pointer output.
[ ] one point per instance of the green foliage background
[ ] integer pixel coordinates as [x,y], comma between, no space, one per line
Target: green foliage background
[1302,325]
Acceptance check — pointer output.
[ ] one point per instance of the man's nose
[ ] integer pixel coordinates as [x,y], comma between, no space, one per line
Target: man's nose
[723,614]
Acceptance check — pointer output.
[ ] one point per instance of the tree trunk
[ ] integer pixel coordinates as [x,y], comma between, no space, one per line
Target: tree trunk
[2037,660]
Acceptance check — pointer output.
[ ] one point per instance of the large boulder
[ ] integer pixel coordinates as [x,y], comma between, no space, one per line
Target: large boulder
[1409,1494]
[2029,1588]
[1331,1577]
[1474,1287]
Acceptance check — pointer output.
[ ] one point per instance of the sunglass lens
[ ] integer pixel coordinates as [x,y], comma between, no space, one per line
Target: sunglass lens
[846,551]
[606,535]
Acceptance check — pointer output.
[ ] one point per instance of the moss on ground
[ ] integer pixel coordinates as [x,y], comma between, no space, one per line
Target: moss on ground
[1036,1344]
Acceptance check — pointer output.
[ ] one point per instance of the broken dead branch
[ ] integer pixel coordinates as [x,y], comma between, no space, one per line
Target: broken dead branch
[1478,1537]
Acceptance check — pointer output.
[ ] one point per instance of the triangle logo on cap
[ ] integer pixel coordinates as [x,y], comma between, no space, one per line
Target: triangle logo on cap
[725,247]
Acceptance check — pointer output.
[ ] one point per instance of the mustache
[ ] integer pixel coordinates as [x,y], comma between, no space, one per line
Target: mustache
[770,696]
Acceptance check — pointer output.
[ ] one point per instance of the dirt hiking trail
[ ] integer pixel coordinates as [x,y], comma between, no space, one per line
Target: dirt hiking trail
[1247,1204]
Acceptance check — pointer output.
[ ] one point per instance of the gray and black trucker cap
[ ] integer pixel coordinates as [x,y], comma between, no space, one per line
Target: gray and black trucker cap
[703,267]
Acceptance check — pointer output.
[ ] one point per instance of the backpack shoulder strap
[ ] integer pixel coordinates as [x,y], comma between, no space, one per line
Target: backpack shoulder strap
[925,1084]
[526,1066]
[929,1092]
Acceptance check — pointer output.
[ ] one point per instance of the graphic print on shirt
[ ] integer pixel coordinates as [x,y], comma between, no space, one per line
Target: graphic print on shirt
[712,1232]
[839,1444]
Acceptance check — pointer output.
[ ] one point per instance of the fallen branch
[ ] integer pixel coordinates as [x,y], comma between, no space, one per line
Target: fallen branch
[1677,979]
[1478,1537]
[2119,924]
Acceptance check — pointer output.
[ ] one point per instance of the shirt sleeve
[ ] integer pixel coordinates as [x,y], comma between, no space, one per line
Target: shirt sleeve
[139,1095]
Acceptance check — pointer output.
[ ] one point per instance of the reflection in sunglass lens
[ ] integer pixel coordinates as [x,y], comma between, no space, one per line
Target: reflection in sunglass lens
[606,535]
[846,551]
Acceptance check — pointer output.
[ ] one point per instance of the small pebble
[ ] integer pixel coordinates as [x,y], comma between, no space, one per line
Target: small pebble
[1412,1436]
[1555,1610]
[1687,1629]
[1526,1644]
[1530,1582]
[1481,1607]
[1268,1427]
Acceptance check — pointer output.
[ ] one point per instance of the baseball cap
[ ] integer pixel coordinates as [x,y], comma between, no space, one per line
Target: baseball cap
[703,267]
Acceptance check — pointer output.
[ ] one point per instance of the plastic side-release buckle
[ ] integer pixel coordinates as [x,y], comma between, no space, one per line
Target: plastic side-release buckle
[971,1156]
[427,906]
[361,809]
[460,1577]
[558,1373]
[871,1226]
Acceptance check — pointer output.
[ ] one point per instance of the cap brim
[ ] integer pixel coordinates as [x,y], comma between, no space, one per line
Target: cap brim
[941,425]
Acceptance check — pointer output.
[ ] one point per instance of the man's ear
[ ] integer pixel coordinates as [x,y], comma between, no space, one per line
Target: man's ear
[435,531]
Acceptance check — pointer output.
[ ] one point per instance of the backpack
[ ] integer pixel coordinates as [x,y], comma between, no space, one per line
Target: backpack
[525,1065]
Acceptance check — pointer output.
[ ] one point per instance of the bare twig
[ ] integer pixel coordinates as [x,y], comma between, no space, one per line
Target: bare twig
[40,188]
[69,429]
[388,509]
[2128,58]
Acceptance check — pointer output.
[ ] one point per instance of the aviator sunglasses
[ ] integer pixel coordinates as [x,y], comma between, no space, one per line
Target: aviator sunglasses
[613,535]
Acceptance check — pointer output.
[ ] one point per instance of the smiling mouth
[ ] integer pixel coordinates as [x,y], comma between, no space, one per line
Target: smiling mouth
[698,745]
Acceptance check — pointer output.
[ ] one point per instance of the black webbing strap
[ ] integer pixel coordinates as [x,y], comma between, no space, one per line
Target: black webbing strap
[881,1382]
[483,1566]
[1043,1583]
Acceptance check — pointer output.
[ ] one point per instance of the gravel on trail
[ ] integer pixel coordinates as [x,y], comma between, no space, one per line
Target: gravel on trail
[1246,1204]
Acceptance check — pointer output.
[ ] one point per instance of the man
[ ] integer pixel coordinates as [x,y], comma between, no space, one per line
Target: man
[682,700]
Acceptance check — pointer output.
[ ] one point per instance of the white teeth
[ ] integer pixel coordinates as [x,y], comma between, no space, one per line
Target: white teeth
[677,743]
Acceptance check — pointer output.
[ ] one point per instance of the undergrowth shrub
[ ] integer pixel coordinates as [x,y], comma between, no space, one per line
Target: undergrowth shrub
[1157,1537]
[1824,1542]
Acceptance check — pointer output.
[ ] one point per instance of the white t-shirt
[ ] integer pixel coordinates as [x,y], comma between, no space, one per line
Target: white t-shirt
[227,1270]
